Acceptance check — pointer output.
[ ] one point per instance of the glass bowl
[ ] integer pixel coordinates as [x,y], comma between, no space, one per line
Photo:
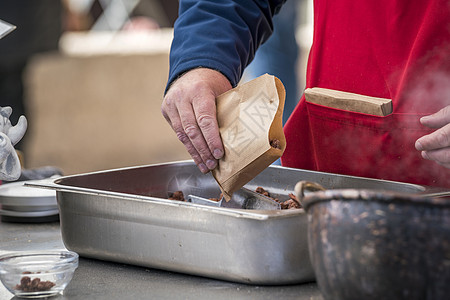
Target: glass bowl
[37,274]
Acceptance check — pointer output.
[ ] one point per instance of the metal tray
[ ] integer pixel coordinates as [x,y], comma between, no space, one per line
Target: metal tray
[123,215]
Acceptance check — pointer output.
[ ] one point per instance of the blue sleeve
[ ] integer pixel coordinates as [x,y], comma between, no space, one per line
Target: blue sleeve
[220,34]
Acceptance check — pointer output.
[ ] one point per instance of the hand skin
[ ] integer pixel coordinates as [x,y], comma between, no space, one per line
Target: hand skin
[190,108]
[436,146]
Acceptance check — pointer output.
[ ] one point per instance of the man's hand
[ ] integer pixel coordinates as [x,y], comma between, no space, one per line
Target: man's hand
[190,108]
[436,146]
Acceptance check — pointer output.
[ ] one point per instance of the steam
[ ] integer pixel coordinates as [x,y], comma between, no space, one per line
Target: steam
[429,88]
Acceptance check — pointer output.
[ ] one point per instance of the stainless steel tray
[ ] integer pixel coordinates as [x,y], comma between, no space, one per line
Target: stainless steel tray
[123,215]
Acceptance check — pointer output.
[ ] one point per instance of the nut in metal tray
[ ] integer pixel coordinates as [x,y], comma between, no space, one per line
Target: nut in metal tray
[243,198]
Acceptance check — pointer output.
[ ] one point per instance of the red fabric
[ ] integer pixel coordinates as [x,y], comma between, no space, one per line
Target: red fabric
[397,49]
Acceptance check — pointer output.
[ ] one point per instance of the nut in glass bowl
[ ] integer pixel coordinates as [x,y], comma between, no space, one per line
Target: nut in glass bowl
[37,274]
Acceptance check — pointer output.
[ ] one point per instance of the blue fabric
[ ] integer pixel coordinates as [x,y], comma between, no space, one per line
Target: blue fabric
[220,34]
[278,56]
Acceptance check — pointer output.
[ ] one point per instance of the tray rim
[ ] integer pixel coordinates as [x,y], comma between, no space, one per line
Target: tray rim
[233,212]
[55,184]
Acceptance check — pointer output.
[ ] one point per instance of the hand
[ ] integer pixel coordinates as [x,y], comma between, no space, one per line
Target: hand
[190,108]
[16,132]
[436,146]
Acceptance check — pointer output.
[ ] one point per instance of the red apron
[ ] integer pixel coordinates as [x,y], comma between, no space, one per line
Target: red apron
[397,49]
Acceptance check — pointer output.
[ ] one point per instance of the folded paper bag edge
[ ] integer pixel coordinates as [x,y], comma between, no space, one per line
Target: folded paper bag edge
[276,128]
[250,171]
[230,183]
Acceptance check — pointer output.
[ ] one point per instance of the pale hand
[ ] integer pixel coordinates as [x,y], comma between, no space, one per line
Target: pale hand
[190,108]
[436,145]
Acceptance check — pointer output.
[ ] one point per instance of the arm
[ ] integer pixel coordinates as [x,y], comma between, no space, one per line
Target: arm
[221,38]
[436,146]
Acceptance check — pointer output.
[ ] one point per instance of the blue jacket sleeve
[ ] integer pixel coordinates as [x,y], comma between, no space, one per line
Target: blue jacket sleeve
[220,34]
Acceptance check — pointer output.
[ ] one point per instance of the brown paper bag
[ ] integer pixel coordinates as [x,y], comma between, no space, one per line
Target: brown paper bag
[250,119]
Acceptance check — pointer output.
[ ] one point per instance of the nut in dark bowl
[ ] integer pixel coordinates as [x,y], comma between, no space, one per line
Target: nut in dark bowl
[377,245]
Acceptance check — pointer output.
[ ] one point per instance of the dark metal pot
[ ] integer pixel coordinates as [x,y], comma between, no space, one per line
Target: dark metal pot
[378,245]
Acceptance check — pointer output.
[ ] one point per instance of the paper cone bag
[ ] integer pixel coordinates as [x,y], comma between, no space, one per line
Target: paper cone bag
[250,124]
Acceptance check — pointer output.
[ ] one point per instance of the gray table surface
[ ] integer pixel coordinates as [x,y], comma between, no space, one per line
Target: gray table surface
[96,279]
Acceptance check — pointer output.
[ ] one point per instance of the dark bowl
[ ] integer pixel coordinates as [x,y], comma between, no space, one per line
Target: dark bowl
[379,245]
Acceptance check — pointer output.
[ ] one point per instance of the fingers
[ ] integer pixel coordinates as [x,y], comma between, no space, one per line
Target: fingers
[438,119]
[436,146]
[192,130]
[206,119]
[171,114]
[436,140]
[190,109]
[16,132]
[441,156]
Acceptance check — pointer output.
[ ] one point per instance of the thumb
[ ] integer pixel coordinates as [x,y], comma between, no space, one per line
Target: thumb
[16,132]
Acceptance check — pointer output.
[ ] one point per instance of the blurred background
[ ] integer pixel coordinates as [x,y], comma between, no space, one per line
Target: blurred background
[89,75]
